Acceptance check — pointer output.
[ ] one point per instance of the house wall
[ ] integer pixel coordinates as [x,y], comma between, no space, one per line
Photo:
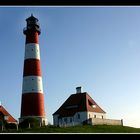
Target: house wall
[96,115]
[98,121]
[55,120]
[77,119]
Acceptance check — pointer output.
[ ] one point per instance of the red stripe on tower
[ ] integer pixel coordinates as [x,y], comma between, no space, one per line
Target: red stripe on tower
[32,103]
[36,106]
[32,67]
[33,38]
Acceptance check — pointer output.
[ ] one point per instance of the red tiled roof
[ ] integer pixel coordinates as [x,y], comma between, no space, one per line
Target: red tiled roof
[5,113]
[77,103]
[90,102]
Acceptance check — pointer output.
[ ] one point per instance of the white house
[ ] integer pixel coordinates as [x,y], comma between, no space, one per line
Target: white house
[80,108]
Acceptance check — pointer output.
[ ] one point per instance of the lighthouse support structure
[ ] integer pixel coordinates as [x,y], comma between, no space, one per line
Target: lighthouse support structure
[32,103]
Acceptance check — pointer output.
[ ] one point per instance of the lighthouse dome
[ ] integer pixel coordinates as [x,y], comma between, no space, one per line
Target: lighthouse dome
[32,25]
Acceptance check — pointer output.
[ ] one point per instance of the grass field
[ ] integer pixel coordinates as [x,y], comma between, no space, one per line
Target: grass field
[77,129]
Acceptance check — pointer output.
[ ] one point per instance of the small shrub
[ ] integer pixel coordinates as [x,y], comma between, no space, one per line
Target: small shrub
[33,122]
[10,126]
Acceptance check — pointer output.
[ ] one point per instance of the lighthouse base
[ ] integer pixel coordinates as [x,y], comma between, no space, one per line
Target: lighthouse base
[42,120]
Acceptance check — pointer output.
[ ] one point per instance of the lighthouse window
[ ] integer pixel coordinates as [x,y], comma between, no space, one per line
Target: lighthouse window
[32,49]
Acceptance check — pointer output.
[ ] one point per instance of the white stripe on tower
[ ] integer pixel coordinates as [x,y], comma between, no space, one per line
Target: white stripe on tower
[32,84]
[32,51]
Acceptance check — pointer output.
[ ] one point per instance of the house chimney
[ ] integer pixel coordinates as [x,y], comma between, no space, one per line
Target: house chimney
[78,89]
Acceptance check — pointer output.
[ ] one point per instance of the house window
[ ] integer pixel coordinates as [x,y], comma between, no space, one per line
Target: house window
[78,116]
[60,120]
[94,116]
[70,119]
[6,117]
[94,106]
[89,115]
[65,120]
[102,117]
[89,102]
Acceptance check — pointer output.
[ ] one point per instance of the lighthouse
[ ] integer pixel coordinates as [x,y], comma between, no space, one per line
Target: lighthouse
[32,101]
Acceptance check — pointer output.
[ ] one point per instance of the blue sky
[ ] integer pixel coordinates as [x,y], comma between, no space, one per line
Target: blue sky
[97,48]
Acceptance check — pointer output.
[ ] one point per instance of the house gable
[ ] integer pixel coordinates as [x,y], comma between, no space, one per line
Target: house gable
[92,106]
[8,118]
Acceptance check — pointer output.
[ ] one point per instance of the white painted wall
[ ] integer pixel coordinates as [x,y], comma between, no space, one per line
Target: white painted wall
[32,51]
[32,84]
[98,115]
[75,120]
[83,117]
[70,121]
[44,120]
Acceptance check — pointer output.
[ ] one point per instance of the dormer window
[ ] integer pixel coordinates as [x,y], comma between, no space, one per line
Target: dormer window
[90,103]
[94,106]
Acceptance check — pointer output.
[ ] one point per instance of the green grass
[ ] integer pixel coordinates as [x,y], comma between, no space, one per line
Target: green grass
[78,129]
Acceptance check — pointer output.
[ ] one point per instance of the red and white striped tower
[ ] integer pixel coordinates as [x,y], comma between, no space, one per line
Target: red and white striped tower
[32,104]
